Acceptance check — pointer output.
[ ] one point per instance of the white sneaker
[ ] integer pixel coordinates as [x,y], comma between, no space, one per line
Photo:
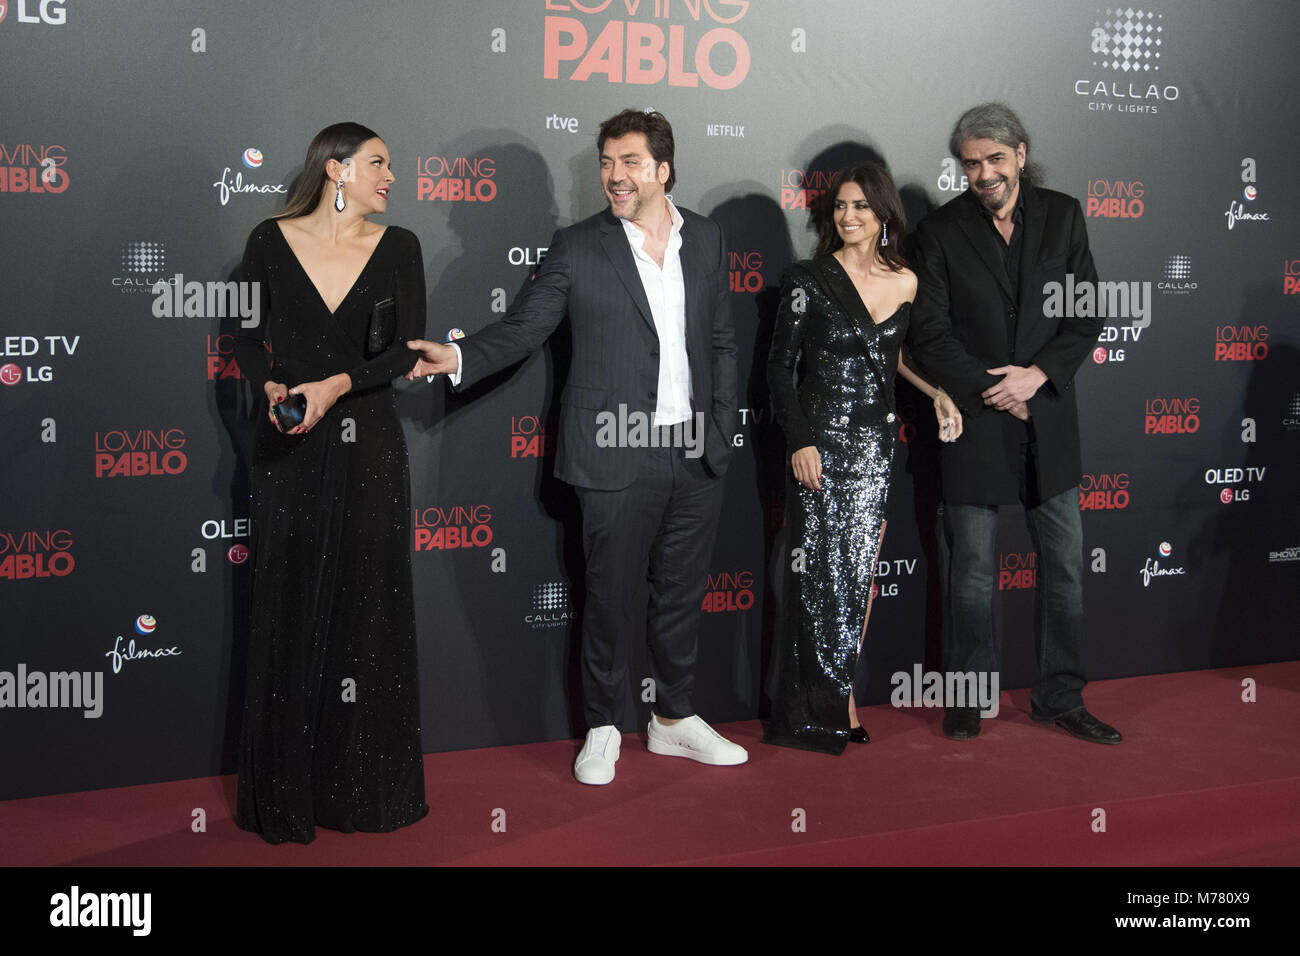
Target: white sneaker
[695,739]
[595,763]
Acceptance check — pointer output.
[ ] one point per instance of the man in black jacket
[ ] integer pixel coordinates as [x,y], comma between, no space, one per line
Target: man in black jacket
[979,327]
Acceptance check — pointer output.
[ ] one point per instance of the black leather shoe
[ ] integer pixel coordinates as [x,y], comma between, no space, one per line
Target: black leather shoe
[858,735]
[961,723]
[1087,727]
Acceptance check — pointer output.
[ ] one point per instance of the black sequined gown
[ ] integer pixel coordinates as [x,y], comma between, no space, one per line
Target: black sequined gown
[844,407]
[331,728]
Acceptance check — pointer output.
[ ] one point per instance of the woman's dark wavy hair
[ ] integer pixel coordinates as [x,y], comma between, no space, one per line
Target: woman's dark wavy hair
[333,142]
[882,196]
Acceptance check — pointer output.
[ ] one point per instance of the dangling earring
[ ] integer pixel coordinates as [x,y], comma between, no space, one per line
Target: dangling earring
[884,233]
[338,198]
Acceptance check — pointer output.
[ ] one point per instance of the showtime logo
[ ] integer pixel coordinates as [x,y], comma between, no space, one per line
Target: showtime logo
[1115,199]
[36,554]
[644,52]
[800,188]
[221,358]
[1104,492]
[455,178]
[1291,277]
[1017,570]
[1241,343]
[28,168]
[1173,416]
[457,526]
[746,271]
[729,591]
[140,453]
[530,437]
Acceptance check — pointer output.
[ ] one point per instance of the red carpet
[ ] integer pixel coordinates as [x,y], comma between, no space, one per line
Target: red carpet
[1202,778]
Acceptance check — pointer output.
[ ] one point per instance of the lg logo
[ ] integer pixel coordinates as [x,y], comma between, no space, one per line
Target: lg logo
[49,11]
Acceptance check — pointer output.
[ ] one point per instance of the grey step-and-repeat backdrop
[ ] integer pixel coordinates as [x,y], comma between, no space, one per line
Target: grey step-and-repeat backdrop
[141,142]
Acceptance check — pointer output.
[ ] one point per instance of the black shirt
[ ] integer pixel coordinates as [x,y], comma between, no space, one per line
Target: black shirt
[1011,250]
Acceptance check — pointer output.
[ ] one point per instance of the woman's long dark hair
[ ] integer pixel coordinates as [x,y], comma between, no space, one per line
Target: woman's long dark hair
[333,142]
[882,196]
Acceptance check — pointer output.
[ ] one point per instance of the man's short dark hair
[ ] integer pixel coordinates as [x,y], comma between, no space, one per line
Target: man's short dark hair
[658,136]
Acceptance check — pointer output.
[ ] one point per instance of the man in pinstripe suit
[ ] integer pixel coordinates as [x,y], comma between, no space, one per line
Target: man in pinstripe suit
[645,425]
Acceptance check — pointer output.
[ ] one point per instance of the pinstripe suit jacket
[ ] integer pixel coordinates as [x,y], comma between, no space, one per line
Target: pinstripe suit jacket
[590,275]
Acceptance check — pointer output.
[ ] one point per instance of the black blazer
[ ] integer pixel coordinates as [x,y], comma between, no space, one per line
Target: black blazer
[964,321]
[590,274]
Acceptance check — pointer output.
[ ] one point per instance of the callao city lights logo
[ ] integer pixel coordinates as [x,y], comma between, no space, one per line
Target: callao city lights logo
[685,44]
[1127,50]
[550,606]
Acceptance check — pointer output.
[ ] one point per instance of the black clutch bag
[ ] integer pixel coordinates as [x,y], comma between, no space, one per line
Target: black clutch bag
[383,327]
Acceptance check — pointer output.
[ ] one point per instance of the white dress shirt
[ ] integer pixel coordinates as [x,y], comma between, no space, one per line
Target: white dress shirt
[665,288]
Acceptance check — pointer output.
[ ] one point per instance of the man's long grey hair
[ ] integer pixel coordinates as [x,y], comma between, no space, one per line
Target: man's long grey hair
[998,122]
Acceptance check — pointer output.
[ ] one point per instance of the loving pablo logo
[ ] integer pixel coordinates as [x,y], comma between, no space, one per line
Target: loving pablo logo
[646,42]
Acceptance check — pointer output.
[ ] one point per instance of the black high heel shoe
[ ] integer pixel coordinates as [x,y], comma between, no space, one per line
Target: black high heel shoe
[858,735]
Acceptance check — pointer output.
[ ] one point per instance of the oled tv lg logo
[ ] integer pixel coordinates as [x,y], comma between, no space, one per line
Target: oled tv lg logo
[50,12]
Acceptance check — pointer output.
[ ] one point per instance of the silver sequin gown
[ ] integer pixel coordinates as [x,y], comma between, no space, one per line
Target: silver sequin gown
[844,406]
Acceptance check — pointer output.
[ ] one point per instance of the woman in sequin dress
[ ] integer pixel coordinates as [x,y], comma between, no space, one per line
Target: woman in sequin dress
[842,318]
[331,731]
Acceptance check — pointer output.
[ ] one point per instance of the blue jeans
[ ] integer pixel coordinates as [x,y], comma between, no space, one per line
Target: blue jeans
[969,640]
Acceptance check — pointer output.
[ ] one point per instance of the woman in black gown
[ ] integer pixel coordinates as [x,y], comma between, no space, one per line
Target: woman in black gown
[843,316]
[331,729]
